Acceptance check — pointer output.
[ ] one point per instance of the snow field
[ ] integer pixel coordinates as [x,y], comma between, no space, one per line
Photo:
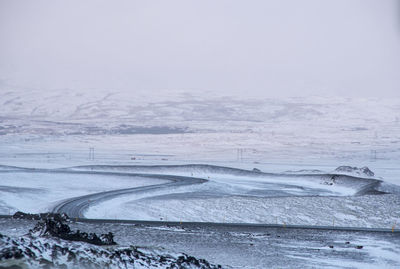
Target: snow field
[36,192]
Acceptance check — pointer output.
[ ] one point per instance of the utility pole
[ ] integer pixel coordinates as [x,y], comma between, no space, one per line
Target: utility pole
[91,153]
[373,154]
[240,155]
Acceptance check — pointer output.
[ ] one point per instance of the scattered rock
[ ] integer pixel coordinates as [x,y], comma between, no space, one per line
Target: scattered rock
[56,228]
[41,216]
[46,252]
[256,170]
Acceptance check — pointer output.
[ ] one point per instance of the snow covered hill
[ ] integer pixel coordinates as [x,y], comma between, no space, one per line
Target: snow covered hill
[209,126]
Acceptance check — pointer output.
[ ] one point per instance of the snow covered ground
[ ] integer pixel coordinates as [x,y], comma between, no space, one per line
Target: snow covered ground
[56,129]
[181,127]
[39,191]
[366,211]
[233,196]
[229,195]
[305,138]
[233,246]
[52,244]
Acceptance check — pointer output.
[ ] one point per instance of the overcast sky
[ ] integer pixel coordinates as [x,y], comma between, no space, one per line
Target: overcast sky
[261,48]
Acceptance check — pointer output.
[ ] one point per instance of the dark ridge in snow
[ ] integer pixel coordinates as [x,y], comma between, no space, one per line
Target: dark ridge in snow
[179,168]
[130,129]
[8,167]
[66,128]
[56,228]
[304,171]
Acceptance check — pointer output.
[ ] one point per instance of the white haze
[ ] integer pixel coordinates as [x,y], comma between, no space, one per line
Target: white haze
[253,48]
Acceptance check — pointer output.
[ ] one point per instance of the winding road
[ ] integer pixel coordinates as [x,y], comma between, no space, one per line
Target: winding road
[178,176]
[75,207]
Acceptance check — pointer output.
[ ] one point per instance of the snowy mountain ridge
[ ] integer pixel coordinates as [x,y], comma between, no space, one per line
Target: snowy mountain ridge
[206,125]
[110,109]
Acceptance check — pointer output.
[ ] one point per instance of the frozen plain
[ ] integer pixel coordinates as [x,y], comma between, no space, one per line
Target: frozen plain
[270,135]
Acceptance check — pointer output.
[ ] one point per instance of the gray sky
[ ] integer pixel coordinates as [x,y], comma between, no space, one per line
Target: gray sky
[260,48]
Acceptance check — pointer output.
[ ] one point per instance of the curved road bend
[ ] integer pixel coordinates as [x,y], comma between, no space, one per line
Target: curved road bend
[74,207]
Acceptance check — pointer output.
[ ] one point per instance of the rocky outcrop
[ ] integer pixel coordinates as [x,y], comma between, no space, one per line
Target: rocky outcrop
[56,228]
[363,171]
[52,244]
[41,216]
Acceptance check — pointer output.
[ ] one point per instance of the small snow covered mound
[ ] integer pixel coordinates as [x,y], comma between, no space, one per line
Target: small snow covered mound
[348,170]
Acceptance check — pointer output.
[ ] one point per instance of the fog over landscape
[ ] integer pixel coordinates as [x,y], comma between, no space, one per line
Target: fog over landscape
[253,48]
[200,134]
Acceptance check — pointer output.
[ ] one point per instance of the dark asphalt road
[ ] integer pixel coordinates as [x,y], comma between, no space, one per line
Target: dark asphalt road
[75,207]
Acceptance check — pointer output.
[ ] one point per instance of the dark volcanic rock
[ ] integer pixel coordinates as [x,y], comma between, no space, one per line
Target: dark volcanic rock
[61,230]
[41,216]
[46,252]
[52,244]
